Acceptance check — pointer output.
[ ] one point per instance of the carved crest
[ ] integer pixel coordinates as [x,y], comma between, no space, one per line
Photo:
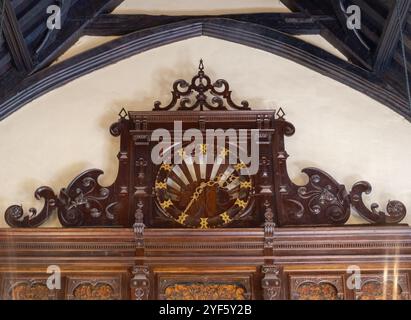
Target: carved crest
[201,93]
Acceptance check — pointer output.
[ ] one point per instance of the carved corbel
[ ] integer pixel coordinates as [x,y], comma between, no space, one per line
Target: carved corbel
[140,283]
[271,282]
[396,210]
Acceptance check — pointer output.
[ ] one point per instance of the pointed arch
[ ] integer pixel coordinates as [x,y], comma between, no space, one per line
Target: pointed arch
[244,33]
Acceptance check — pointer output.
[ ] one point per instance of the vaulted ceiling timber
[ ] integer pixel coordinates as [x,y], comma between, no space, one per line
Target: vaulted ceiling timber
[379,54]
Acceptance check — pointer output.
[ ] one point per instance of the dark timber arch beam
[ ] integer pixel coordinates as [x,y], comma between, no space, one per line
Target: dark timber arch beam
[248,34]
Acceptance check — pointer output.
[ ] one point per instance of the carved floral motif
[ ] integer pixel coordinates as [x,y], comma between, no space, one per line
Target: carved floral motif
[313,291]
[27,290]
[380,287]
[89,291]
[316,288]
[204,291]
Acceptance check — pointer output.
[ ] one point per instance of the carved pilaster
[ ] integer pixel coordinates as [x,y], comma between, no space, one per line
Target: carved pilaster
[271,282]
[140,283]
[269,226]
[139,225]
[140,196]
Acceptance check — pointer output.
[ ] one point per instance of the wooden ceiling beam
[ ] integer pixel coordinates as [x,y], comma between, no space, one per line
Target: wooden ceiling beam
[391,35]
[335,32]
[370,11]
[15,40]
[122,24]
[79,16]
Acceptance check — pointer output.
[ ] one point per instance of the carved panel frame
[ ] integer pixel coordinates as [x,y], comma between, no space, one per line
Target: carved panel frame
[336,281]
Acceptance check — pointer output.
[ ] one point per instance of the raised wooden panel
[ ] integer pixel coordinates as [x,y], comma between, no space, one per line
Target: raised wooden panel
[319,287]
[383,287]
[204,287]
[26,288]
[94,287]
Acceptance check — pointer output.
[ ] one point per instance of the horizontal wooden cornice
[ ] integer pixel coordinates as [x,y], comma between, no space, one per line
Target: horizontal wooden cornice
[176,246]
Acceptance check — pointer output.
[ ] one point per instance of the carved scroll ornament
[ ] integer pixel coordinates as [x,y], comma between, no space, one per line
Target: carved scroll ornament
[83,202]
[396,210]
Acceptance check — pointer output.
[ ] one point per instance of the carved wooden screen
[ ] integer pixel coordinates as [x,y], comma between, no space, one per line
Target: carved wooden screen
[155,209]
[140,195]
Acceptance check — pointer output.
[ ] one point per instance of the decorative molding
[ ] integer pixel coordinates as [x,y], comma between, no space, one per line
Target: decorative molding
[240,32]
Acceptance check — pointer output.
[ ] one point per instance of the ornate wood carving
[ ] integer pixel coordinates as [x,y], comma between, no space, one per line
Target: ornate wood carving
[315,258]
[322,201]
[100,288]
[316,287]
[141,196]
[396,210]
[140,283]
[201,291]
[202,85]
[206,287]
[271,283]
[27,289]
[15,216]
[383,287]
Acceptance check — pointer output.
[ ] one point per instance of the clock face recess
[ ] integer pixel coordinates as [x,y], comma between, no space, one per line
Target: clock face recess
[198,194]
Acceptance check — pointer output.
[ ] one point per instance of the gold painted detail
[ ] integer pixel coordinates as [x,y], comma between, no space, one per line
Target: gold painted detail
[182,218]
[242,204]
[202,291]
[225,217]
[245,185]
[204,223]
[166,167]
[166,204]
[161,185]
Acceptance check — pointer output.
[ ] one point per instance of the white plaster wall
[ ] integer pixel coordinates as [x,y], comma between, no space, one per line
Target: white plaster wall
[57,136]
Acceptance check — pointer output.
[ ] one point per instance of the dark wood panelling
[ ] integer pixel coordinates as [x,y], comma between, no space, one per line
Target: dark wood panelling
[121,24]
[301,255]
